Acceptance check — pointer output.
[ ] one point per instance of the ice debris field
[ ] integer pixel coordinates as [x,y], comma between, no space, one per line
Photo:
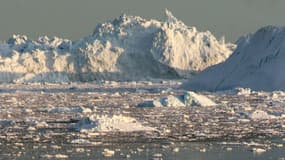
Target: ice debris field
[126,82]
[101,120]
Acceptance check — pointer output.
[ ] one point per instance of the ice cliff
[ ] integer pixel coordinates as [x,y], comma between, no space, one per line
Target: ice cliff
[257,63]
[127,48]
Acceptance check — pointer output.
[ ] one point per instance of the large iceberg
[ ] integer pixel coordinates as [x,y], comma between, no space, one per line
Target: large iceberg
[257,63]
[127,48]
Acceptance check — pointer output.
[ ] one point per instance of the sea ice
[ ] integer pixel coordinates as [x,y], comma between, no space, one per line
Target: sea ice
[189,99]
[261,115]
[105,123]
[194,99]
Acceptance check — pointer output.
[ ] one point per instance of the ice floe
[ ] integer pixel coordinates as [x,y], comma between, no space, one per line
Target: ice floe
[105,123]
[189,99]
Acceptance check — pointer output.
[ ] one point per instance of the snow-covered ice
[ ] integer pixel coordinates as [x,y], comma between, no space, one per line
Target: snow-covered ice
[257,63]
[127,48]
[188,99]
[105,123]
[173,101]
[261,115]
[194,99]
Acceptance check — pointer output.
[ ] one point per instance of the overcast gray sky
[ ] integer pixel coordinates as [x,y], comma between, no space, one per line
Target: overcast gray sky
[77,18]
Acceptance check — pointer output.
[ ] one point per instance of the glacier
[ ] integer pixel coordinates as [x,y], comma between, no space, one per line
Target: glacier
[126,48]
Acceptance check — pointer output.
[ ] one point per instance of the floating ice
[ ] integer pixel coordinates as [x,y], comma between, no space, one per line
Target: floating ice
[257,63]
[80,141]
[261,115]
[108,152]
[86,124]
[173,101]
[113,123]
[153,103]
[258,150]
[69,110]
[189,99]
[127,48]
[243,91]
[194,99]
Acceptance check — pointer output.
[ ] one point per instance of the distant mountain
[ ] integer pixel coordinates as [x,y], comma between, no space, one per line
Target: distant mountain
[127,48]
[257,63]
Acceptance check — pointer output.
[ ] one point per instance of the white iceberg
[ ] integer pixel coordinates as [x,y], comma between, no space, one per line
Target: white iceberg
[189,99]
[257,63]
[194,99]
[115,123]
[127,48]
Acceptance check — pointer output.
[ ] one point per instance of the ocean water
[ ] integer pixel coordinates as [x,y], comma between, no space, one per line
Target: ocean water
[145,151]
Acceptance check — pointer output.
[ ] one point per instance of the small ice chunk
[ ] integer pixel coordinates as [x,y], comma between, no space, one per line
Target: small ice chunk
[168,90]
[279,145]
[194,99]
[260,115]
[31,128]
[28,110]
[57,156]
[258,150]
[56,147]
[69,110]
[41,125]
[80,141]
[157,156]
[86,110]
[61,156]
[154,103]
[108,153]
[46,156]
[80,150]
[172,101]
[85,124]
[243,91]
[203,150]
[176,149]
[139,149]
[149,83]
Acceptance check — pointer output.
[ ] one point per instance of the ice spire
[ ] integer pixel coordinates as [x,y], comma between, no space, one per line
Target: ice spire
[170,17]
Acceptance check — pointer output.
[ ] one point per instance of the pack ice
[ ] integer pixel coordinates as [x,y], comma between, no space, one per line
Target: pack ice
[127,48]
[257,63]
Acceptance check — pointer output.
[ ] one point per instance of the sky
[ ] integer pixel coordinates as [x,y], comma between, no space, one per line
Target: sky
[74,19]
